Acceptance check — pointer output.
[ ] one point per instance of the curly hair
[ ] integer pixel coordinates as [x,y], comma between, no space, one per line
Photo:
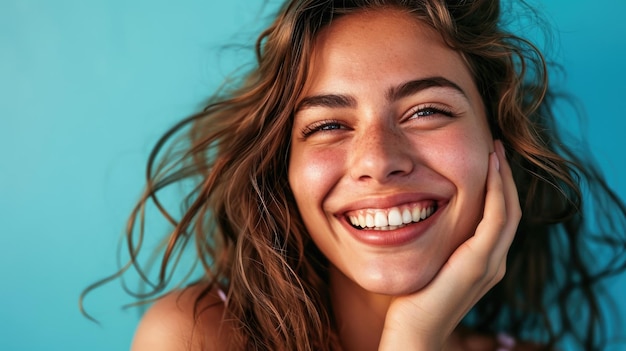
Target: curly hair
[250,239]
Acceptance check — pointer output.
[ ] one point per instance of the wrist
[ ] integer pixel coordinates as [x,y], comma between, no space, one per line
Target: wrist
[405,338]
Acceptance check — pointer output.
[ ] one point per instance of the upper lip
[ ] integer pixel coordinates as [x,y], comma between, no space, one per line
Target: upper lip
[385,202]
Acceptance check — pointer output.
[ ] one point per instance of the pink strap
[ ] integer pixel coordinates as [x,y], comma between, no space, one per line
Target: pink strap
[221,294]
[505,342]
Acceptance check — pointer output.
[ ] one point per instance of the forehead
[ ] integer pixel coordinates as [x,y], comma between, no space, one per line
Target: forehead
[387,46]
[365,22]
[365,53]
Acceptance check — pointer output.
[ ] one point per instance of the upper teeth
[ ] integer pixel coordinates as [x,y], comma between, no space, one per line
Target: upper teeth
[390,218]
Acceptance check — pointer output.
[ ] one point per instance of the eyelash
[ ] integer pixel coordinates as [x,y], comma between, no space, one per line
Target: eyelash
[321,126]
[333,124]
[430,110]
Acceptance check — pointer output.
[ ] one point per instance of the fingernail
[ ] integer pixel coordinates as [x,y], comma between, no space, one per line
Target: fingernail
[501,147]
[496,160]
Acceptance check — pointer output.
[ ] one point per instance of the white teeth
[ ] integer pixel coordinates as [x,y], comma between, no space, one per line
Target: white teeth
[406,216]
[415,214]
[391,219]
[362,222]
[394,217]
[369,220]
[354,220]
[389,227]
[380,220]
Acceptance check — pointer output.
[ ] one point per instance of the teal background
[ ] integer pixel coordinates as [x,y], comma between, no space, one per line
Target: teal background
[86,88]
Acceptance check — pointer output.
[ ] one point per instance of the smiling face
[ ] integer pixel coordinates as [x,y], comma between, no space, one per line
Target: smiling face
[389,151]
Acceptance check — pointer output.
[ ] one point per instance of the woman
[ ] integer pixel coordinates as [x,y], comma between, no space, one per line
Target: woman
[359,191]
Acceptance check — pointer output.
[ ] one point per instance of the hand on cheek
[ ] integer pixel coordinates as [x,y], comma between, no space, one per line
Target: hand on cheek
[424,320]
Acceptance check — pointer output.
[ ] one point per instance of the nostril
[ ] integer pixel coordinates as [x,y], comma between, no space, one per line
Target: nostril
[397,172]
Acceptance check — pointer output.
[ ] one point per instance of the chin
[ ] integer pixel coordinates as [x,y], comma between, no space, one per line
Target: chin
[397,284]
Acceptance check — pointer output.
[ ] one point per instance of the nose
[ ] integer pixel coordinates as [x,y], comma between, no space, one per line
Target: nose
[379,154]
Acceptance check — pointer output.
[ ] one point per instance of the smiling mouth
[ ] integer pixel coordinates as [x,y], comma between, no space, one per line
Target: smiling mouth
[392,218]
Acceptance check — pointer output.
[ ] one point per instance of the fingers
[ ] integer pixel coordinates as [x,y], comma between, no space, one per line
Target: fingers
[502,212]
[484,254]
[511,202]
[494,213]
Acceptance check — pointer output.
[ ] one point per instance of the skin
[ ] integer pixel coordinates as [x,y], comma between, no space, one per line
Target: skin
[379,151]
[357,147]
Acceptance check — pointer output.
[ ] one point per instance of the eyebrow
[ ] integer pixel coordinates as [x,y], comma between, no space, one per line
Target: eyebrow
[394,93]
[415,86]
[327,100]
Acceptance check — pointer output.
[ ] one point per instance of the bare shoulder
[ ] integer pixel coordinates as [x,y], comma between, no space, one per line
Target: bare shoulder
[170,323]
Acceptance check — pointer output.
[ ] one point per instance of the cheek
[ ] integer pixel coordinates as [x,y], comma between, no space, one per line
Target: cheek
[469,169]
[463,158]
[312,174]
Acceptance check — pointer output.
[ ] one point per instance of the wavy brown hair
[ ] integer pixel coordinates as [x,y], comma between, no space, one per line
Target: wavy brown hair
[248,235]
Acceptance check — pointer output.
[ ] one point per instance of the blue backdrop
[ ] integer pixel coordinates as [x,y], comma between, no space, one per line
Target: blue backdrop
[86,87]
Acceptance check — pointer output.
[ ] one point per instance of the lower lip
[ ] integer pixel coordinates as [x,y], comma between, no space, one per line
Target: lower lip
[395,237]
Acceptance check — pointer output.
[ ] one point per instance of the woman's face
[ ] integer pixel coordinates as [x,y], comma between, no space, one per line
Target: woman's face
[389,151]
